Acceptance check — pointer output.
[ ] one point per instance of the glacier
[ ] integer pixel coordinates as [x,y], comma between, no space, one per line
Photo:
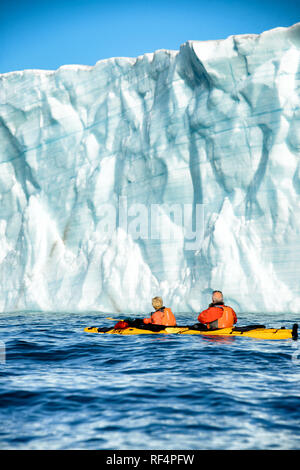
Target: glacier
[214,125]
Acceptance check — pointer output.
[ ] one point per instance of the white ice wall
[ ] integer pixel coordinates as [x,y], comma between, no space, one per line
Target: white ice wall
[216,123]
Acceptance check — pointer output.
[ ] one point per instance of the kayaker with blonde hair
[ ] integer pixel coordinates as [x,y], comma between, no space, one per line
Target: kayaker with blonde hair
[162,315]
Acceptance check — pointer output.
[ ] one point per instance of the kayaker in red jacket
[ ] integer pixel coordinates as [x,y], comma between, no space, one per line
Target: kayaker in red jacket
[218,315]
[162,315]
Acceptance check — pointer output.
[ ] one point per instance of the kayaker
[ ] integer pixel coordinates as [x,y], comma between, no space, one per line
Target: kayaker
[218,315]
[162,315]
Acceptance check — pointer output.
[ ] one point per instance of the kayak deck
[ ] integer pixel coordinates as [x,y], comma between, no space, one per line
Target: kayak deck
[256,332]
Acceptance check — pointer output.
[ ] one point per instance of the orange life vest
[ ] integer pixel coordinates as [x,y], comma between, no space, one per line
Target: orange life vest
[227,320]
[163,316]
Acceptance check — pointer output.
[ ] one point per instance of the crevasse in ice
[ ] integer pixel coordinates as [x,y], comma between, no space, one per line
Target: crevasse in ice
[215,126]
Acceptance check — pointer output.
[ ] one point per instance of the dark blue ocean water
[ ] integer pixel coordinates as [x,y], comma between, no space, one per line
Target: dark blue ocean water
[61,388]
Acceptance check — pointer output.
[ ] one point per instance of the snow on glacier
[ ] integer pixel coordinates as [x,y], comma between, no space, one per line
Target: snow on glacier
[215,124]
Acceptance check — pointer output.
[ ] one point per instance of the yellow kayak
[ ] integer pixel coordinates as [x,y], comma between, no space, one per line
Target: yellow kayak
[255,331]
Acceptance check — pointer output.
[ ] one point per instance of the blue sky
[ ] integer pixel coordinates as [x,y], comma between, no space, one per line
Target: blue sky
[45,34]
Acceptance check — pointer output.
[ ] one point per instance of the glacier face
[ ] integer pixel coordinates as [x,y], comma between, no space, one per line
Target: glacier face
[215,125]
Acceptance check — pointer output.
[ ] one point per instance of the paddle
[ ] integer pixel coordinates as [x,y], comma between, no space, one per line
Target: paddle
[122,319]
[131,321]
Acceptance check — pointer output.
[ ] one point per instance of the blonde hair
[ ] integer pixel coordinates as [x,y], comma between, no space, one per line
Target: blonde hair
[157,300]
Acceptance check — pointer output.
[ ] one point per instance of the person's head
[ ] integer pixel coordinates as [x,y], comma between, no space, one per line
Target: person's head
[157,302]
[217,296]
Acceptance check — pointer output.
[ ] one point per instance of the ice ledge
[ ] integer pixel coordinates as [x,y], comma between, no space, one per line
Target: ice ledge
[167,127]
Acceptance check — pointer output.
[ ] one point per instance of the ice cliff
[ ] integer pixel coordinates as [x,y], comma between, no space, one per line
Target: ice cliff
[215,125]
